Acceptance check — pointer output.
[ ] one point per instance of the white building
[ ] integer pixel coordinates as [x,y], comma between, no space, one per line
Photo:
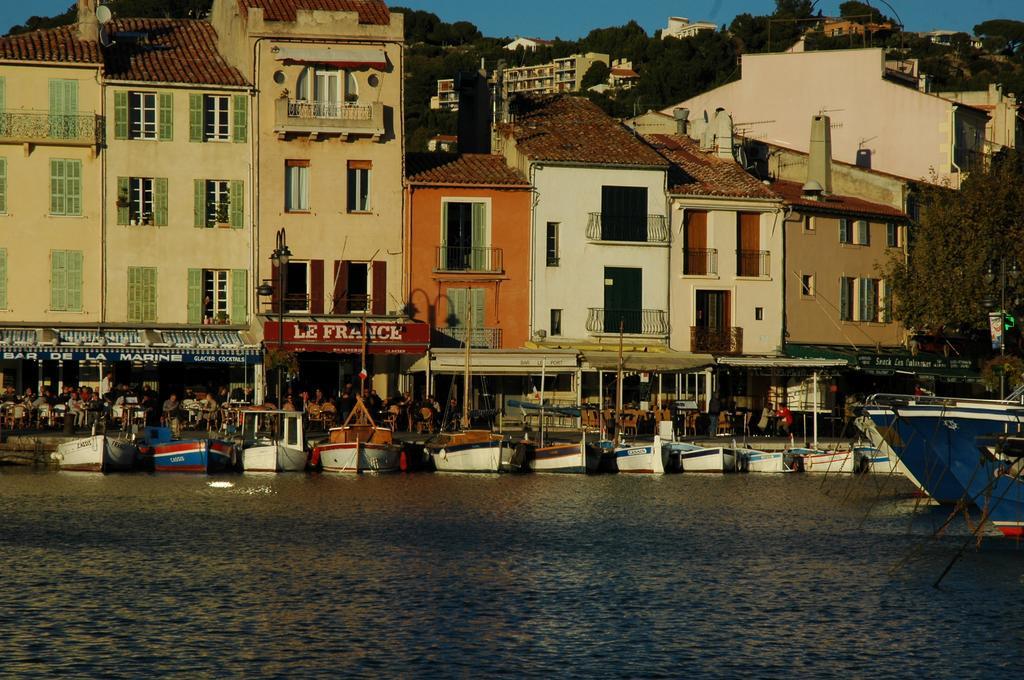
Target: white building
[600,236]
[528,44]
[680,27]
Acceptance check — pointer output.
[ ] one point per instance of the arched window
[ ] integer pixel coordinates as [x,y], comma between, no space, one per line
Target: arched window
[351,88]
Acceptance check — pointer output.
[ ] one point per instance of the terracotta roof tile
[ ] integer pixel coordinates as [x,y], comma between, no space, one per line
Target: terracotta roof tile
[370,11]
[55,44]
[464,169]
[174,51]
[792,194]
[695,173]
[560,128]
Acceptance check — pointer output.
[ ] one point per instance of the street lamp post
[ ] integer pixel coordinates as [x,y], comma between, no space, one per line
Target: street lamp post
[280,258]
[1012,273]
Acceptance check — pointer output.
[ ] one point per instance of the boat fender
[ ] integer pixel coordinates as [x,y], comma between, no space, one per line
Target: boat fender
[403,461]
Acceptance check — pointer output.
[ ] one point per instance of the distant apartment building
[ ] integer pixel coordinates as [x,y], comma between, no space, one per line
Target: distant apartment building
[837,28]
[945,37]
[681,27]
[569,71]
[528,44]
[447,97]
[539,79]
[1005,127]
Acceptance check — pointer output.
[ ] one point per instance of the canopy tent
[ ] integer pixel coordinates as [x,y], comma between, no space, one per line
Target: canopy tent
[342,57]
[646,362]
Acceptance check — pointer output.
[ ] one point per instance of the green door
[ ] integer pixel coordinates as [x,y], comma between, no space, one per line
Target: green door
[623,300]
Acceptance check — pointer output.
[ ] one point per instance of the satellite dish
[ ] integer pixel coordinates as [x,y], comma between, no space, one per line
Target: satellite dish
[103,14]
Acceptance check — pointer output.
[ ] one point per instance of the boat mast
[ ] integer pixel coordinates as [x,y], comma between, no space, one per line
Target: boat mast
[362,360]
[468,376]
[543,365]
[618,386]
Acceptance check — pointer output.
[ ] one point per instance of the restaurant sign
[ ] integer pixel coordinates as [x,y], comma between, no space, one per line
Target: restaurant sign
[346,337]
[912,364]
[141,355]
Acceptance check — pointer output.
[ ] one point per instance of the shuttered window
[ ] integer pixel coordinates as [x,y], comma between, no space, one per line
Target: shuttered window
[863,232]
[66,280]
[65,187]
[845,232]
[869,299]
[3,278]
[846,298]
[240,111]
[63,108]
[459,301]
[239,296]
[623,213]
[3,185]
[166,132]
[195,296]
[142,302]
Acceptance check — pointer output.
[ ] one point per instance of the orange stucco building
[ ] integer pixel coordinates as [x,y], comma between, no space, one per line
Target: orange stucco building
[467,236]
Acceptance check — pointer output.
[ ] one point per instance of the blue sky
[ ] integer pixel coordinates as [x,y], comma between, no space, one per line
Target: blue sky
[574,18]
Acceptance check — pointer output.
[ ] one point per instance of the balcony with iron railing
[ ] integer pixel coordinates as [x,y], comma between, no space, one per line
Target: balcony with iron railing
[649,322]
[329,118]
[470,260]
[727,340]
[300,303]
[39,127]
[753,263]
[700,262]
[628,228]
[479,338]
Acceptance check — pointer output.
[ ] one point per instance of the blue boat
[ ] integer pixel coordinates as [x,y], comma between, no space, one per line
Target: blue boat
[194,455]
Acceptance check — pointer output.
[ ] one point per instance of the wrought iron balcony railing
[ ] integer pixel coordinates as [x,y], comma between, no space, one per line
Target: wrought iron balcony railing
[652,322]
[452,259]
[716,340]
[649,229]
[700,262]
[754,263]
[39,127]
[479,338]
[310,117]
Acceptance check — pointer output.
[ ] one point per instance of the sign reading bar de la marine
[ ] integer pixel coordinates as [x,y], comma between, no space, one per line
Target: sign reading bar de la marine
[346,337]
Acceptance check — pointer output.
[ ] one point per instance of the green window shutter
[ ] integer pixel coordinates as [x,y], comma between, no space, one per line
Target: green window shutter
[195,296]
[149,294]
[70,97]
[844,300]
[123,187]
[195,118]
[58,281]
[57,188]
[120,115]
[479,311]
[3,185]
[73,190]
[886,302]
[74,260]
[865,299]
[56,98]
[239,295]
[241,109]
[478,255]
[135,294]
[237,201]
[457,307]
[3,278]
[200,202]
[166,117]
[3,94]
[160,201]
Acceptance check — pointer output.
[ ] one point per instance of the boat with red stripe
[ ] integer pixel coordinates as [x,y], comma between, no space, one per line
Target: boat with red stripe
[194,455]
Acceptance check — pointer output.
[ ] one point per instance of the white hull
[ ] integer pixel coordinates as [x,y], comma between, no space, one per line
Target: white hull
[273,458]
[717,459]
[829,462]
[484,457]
[567,458]
[868,428]
[640,459]
[356,457]
[765,461]
[98,453]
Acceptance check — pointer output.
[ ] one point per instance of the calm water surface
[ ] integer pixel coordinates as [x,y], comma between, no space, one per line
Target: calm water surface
[296,575]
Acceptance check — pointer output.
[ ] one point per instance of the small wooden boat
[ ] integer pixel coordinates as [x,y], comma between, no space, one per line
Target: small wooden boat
[573,457]
[359,445]
[273,441]
[469,451]
[640,458]
[817,461]
[769,461]
[98,453]
[194,455]
[693,458]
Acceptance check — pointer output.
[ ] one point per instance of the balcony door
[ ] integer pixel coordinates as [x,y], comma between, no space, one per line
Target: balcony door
[748,241]
[623,300]
[624,214]
[713,310]
[695,243]
[465,236]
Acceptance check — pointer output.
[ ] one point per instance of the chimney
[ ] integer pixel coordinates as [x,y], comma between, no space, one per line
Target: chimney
[475,114]
[88,24]
[723,135]
[682,117]
[819,161]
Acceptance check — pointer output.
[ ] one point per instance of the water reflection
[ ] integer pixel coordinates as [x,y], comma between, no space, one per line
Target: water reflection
[425,574]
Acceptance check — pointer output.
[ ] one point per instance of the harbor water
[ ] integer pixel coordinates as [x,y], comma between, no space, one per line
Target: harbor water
[426,575]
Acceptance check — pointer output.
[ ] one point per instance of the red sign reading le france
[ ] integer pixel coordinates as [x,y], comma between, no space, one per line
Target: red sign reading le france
[347,337]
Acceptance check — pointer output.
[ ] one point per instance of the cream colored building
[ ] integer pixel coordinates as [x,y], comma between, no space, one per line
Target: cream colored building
[681,27]
[1005,127]
[328,130]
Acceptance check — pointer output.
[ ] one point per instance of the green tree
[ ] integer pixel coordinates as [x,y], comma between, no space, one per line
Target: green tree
[942,282]
[595,75]
[861,12]
[1006,33]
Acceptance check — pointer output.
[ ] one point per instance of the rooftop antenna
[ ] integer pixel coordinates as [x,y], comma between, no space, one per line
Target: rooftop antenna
[104,17]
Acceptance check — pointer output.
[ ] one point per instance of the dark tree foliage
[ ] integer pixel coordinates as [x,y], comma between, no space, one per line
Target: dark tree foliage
[173,9]
[1007,35]
[595,75]
[861,12]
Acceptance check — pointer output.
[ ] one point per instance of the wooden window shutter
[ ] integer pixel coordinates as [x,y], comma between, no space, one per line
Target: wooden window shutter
[195,118]
[58,281]
[844,299]
[56,98]
[478,301]
[339,295]
[195,296]
[120,115]
[241,113]
[237,204]
[316,286]
[73,187]
[149,294]
[166,117]
[380,288]
[3,278]
[239,296]
[3,185]
[56,186]
[159,202]
[123,199]
[74,278]
[135,294]
[200,202]
[457,309]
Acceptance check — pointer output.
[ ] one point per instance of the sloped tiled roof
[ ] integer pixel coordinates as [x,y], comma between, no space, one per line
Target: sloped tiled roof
[564,129]
[465,169]
[792,194]
[61,45]
[370,11]
[174,51]
[695,173]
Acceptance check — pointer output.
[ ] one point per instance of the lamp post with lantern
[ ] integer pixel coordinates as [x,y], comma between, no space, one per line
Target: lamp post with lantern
[1002,271]
[279,258]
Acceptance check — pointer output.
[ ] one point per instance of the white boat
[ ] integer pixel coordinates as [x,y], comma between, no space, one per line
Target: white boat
[886,460]
[640,458]
[817,461]
[567,457]
[877,461]
[693,458]
[769,461]
[98,453]
[359,445]
[469,451]
[273,441]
